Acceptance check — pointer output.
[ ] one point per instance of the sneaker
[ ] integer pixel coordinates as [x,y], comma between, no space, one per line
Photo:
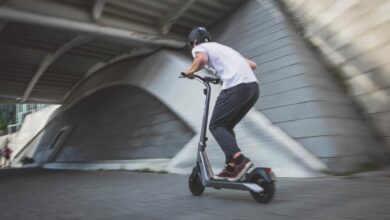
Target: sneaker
[241,168]
[234,173]
[225,174]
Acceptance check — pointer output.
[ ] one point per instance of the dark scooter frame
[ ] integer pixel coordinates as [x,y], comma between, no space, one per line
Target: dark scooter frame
[258,181]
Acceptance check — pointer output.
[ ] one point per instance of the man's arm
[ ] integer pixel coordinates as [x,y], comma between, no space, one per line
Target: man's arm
[200,60]
[252,64]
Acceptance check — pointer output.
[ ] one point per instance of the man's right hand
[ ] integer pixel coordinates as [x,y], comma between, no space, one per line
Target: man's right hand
[189,74]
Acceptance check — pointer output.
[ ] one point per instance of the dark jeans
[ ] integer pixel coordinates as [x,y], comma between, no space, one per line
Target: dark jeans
[231,106]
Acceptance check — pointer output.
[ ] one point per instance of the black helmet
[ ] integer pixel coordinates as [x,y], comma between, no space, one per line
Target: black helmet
[198,35]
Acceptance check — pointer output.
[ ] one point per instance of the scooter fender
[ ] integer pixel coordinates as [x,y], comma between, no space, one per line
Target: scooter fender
[269,177]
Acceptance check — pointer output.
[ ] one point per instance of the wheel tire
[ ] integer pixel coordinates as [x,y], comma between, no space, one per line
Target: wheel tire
[269,190]
[195,182]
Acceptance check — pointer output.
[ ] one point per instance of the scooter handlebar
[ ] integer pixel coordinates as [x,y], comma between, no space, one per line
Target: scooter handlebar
[204,79]
[213,80]
[183,75]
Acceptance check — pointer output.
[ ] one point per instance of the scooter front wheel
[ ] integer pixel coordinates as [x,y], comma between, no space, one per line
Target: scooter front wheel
[195,182]
[269,189]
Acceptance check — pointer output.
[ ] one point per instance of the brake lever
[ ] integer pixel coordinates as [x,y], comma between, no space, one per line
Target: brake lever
[214,80]
[219,82]
[182,75]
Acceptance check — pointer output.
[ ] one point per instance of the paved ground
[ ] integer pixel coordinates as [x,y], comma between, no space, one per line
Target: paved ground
[46,194]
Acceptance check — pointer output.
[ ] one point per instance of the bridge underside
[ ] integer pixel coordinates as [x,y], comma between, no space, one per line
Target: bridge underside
[48,47]
[302,123]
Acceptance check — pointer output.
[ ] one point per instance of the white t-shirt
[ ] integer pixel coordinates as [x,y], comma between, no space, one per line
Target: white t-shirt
[226,63]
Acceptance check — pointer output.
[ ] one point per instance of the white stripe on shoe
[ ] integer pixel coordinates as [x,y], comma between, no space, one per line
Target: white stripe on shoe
[242,172]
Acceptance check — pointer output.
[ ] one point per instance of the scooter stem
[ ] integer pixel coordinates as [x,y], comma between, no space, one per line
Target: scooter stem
[203,138]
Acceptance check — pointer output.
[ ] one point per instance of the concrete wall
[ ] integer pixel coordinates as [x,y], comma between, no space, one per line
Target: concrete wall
[297,93]
[354,36]
[118,122]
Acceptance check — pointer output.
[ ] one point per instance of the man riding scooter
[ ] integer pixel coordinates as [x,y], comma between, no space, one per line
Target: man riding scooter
[240,92]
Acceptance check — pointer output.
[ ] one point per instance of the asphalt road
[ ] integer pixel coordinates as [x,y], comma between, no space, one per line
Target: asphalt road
[53,194]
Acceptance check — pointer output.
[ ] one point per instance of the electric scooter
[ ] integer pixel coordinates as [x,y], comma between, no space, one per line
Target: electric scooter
[260,181]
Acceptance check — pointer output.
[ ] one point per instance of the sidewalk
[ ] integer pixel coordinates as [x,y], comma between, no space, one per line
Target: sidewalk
[53,194]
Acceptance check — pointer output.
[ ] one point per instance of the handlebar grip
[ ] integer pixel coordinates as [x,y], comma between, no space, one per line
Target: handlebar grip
[183,75]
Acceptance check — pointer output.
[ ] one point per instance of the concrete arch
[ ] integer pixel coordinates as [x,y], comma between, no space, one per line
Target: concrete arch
[115,123]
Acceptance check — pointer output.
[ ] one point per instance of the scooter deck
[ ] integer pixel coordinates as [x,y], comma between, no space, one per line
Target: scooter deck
[218,184]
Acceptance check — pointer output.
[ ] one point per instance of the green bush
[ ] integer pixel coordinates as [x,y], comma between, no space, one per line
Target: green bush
[3,124]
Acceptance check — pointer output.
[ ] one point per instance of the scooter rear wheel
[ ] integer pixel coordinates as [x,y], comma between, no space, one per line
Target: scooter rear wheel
[269,189]
[195,182]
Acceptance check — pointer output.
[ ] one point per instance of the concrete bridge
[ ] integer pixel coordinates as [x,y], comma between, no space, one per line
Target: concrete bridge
[113,67]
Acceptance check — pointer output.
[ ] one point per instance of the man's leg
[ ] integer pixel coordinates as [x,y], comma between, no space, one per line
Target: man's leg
[221,123]
[239,160]
[230,108]
[253,92]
